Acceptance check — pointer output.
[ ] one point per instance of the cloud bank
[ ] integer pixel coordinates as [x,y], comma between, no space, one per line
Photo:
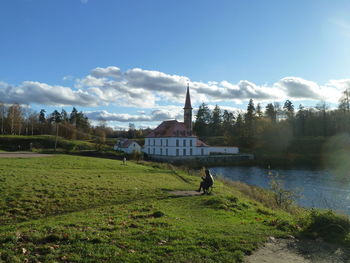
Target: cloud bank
[146,88]
[143,89]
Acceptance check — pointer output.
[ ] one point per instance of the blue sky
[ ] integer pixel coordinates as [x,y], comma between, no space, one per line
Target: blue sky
[130,61]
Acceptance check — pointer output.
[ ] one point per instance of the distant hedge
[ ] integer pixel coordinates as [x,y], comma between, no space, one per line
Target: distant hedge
[15,143]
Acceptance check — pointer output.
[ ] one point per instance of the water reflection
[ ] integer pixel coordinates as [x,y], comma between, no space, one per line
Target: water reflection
[319,189]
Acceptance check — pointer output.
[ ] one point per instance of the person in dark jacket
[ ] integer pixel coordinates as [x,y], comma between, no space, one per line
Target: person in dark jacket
[207,181]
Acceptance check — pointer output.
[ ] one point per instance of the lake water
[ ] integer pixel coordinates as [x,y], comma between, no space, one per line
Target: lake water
[319,189]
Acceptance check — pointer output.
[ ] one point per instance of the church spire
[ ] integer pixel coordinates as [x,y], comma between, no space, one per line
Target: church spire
[188,98]
[188,111]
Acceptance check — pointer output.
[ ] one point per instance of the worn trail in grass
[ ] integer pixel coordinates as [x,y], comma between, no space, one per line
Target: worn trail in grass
[80,209]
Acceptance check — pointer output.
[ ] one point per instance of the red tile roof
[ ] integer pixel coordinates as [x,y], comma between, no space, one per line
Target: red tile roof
[170,129]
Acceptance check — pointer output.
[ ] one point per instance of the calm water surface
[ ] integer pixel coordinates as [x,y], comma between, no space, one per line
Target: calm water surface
[319,189]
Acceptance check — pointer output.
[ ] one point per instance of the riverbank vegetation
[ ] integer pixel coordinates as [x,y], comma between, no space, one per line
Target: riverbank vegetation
[81,209]
[279,134]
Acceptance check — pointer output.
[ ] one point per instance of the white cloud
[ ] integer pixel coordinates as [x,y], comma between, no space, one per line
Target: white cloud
[300,88]
[156,115]
[113,72]
[68,78]
[40,93]
[147,89]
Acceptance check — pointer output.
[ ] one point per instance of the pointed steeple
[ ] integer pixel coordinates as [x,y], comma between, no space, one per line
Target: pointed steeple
[188,99]
[188,112]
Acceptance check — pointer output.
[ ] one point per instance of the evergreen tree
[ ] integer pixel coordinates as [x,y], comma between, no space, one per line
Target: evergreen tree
[215,123]
[42,117]
[270,112]
[300,120]
[239,126]
[289,109]
[202,120]
[259,113]
[73,117]
[64,116]
[323,107]
[250,115]
[249,122]
[228,121]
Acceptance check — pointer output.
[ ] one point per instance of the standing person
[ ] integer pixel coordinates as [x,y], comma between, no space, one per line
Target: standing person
[207,181]
[124,160]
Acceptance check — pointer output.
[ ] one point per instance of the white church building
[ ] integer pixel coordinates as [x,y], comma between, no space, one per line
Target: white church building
[175,139]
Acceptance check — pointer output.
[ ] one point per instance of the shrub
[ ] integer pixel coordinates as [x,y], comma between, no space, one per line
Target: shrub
[284,198]
[327,225]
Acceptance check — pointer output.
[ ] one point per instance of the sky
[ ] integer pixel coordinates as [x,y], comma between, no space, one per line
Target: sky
[130,61]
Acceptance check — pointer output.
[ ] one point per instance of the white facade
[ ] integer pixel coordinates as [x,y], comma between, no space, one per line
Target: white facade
[133,147]
[174,146]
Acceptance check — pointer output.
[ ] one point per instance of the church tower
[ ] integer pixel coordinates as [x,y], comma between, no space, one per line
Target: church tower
[188,111]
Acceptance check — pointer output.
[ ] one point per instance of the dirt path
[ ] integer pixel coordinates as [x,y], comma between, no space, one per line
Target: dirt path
[299,251]
[22,155]
[185,193]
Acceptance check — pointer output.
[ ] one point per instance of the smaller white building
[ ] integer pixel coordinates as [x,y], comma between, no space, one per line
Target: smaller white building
[127,146]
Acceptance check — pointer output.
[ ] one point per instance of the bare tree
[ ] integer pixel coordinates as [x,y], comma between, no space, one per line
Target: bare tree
[15,118]
[2,116]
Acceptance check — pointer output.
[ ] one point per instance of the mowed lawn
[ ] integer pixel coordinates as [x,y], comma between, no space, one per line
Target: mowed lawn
[81,209]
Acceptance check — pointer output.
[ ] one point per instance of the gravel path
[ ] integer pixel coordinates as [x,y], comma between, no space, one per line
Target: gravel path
[299,251]
[22,155]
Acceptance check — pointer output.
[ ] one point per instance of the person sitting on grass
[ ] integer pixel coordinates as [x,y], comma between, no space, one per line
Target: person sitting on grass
[207,181]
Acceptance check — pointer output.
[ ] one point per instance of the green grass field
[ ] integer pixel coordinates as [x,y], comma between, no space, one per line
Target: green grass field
[81,209]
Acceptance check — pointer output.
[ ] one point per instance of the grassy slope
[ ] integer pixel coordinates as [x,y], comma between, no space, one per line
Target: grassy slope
[80,209]
[11,143]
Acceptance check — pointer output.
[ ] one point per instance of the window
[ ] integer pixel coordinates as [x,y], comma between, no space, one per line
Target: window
[166,151]
[190,142]
[154,142]
[154,151]
[202,151]
[177,152]
[184,151]
[148,150]
[177,142]
[191,153]
[166,142]
[161,142]
[161,151]
[184,142]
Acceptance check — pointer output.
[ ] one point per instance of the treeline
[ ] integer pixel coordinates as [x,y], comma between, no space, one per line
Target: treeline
[273,123]
[18,120]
